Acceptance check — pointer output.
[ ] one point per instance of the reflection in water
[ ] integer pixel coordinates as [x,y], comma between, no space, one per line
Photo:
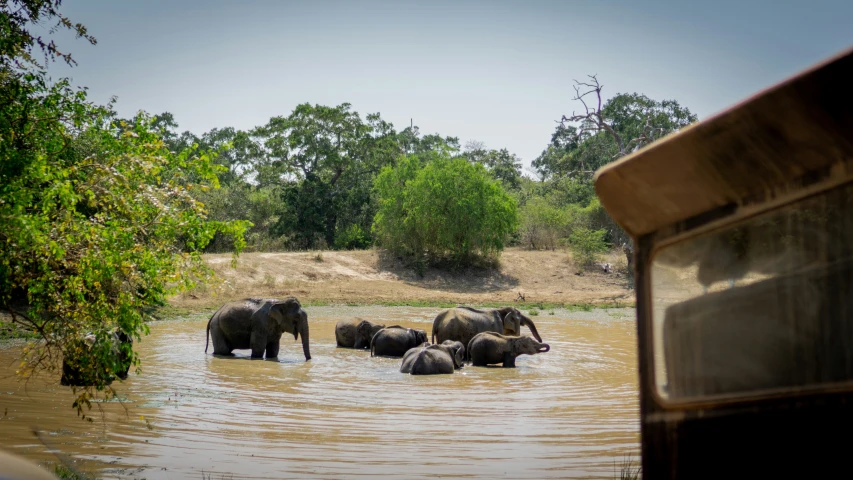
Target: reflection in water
[570,412]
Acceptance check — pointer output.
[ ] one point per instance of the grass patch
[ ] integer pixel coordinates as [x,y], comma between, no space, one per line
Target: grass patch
[533,312]
[630,470]
[170,312]
[65,473]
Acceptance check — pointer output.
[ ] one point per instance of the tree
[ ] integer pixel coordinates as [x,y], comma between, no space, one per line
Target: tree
[446,210]
[542,224]
[504,166]
[599,134]
[329,157]
[98,219]
[413,143]
[605,131]
[17,43]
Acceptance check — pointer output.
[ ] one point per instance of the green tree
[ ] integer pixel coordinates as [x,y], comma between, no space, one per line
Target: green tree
[447,210]
[504,166]
[329,157]
[18,43]
[542,224]
[98,221]
[587,245]
[604,131]
[601,133]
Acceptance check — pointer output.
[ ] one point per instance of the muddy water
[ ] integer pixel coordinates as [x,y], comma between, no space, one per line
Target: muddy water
[571,412]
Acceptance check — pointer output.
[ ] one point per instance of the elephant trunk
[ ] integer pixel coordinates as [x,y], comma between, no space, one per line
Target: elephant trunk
[303,331]
[529,323]
[545,346]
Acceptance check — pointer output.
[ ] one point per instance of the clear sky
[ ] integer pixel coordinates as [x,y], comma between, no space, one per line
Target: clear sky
[499,72]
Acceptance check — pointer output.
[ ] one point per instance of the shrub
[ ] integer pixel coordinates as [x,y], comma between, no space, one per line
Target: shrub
[542,224]
[352,238]
[587,245]
[449,210]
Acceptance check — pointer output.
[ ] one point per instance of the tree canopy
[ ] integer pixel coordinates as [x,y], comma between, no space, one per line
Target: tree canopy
[99,219]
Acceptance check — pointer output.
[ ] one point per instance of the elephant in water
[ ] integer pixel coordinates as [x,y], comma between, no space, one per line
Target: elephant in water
[258,324]
[395,341]
[81,367]
[489,348]
[355,332]
[456,347]
[433,359]
[462,323]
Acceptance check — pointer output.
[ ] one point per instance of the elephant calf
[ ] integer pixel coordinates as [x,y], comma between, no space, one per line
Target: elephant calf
[83,368]
[489,348]
[433,359]
[395,341]
[355,332]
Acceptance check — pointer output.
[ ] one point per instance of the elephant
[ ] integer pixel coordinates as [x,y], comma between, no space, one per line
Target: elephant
[85,370]
[356,333]
[428,359]
[462,323]
[395,341]
[456,347]
[258,324]
[489,348]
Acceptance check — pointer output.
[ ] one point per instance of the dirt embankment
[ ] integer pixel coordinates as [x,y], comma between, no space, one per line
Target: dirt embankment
[373,277]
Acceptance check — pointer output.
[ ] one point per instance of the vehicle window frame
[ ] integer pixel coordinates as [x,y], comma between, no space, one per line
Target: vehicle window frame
[672,235]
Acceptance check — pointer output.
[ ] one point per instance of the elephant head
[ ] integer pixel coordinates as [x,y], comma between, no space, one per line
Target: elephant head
[291,318]
[420,335]
[457,351]
[364,332]
[513,319]
[528,346]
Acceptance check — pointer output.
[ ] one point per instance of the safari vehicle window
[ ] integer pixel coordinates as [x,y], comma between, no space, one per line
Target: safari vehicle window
[759,306]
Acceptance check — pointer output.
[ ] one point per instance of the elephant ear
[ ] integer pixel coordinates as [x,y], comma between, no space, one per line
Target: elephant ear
[459,357]
[284,313]
[512,321]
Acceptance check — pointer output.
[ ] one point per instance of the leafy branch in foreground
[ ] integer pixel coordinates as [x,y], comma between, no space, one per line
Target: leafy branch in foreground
[17,42]
[98,221]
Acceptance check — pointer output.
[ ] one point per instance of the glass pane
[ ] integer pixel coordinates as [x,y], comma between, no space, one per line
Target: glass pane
[761,305]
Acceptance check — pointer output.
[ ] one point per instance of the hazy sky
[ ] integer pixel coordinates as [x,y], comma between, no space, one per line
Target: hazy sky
[499,72]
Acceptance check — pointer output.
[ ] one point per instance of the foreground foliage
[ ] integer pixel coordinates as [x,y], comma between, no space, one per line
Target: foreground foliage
[98,221]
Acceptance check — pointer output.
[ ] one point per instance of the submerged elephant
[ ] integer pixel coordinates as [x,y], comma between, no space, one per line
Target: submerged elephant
[456,347]
[433,359]
[489,348]
[258,324]
[462,323]
[91,361]
[355,332]
[395,341]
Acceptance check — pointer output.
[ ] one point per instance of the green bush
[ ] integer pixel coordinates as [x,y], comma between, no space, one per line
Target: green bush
[352,238]
[542,224]
[448,210]
[587,245]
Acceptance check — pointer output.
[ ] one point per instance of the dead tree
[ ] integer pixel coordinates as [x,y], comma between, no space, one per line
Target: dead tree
[591,121]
